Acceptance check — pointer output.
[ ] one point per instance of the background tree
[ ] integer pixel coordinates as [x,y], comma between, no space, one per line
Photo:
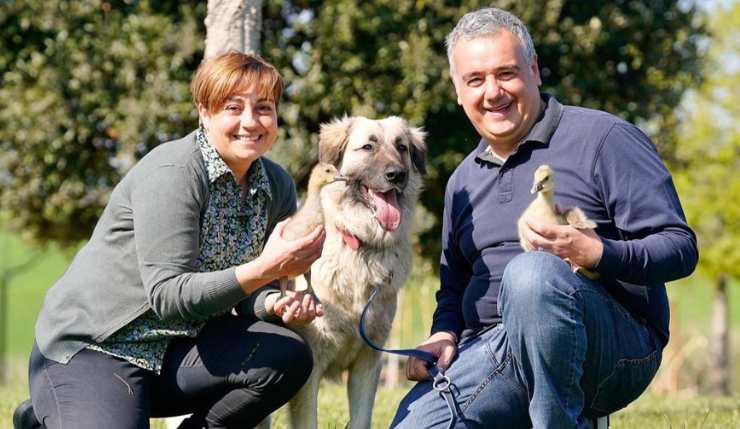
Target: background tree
[89,87]
[233,25]
[8,270]
[706,164]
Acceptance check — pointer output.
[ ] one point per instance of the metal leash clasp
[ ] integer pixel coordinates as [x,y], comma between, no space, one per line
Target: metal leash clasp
[441,382]
[443,385]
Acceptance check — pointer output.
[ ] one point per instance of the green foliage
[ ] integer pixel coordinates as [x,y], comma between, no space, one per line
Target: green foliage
[86,89]
[91,86]
[708,155]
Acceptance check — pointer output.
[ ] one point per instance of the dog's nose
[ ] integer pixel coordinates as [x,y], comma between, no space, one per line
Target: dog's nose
[395,175]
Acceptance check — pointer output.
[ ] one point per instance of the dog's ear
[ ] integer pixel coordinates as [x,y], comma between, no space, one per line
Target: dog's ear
[333,139]
[418,149]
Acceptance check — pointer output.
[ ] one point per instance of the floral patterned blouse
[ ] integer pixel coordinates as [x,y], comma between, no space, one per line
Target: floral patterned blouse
[232,233]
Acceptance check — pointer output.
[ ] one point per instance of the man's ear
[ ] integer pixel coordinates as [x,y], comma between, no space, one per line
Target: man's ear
[454,86]
[418,149]
[333,139]
[536,70]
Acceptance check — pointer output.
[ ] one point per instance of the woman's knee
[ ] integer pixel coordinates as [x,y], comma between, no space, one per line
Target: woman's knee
[289,359]
[296,361]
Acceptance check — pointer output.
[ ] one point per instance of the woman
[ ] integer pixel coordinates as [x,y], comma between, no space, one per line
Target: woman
[141,323]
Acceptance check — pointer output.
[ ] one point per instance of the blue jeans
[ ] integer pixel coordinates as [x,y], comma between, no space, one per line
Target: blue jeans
[566,352]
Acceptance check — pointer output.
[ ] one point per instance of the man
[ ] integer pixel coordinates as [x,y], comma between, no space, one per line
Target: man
[526,340]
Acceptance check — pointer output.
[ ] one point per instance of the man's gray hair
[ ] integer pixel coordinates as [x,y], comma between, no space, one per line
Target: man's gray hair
[488,22]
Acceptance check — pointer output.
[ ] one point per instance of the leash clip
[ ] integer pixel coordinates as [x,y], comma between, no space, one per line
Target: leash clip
[441,382]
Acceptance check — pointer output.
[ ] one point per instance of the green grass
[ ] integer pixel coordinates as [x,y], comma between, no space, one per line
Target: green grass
[646,413]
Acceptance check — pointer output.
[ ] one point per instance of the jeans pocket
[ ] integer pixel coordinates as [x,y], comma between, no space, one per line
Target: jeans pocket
[627,381]
[497,347]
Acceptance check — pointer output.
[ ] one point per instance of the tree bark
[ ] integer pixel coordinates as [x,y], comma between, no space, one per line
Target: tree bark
[233,25]
[720,373]
[5,277]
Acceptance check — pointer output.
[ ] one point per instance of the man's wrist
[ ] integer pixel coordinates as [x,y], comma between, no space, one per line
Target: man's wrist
[441,335]
[599,253]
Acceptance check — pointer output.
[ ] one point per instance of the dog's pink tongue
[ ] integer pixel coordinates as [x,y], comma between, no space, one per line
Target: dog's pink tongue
[387,210]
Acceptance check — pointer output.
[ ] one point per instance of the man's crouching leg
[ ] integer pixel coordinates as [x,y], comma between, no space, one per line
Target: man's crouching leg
[579,351]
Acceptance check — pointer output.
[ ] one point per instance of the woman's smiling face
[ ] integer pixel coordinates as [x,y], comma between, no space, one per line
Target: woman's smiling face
[243,129]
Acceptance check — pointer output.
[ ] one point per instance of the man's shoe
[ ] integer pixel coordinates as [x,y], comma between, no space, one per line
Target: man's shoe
[24,417]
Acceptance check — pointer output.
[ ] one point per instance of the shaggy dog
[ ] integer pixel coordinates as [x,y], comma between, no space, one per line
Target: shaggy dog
[368,222]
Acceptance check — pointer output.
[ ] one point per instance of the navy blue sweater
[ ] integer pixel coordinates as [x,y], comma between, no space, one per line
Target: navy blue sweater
[603,165]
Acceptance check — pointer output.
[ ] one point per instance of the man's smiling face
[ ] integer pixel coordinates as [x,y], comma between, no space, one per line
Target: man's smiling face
[497,87]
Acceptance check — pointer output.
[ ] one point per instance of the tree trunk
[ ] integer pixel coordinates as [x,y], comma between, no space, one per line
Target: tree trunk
[720,373]
[5,276]
[233,25]
[3,328]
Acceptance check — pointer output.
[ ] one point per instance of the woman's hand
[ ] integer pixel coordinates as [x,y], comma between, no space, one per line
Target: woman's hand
[291,258]
[281,258]
[299,308]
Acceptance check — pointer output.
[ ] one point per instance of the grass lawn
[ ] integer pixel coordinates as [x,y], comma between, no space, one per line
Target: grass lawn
[647,413]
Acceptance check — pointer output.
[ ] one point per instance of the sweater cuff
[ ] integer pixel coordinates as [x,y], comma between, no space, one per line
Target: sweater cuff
[610,263]
[223,290]
[254,305]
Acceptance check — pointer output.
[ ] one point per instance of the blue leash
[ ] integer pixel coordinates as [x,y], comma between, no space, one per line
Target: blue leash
[440,382]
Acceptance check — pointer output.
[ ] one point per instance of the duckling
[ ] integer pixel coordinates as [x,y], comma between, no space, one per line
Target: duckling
[310,215]
[543,210]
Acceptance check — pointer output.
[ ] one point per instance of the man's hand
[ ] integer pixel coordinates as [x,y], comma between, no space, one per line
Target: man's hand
[442,345]
[581,247]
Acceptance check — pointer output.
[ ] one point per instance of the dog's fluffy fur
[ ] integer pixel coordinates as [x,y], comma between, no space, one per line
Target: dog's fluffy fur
[379,157]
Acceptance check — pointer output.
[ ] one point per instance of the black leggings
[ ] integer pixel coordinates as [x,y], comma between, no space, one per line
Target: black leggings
[234,374]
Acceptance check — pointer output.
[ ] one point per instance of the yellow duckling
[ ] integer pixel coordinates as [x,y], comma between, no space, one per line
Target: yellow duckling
[310,215]
[543,210]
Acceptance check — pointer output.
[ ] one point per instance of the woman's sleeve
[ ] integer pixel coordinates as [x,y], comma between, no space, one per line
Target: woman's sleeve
[166,205]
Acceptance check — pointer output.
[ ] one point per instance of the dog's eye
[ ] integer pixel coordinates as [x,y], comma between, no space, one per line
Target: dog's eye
[367,146]
[400,146]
